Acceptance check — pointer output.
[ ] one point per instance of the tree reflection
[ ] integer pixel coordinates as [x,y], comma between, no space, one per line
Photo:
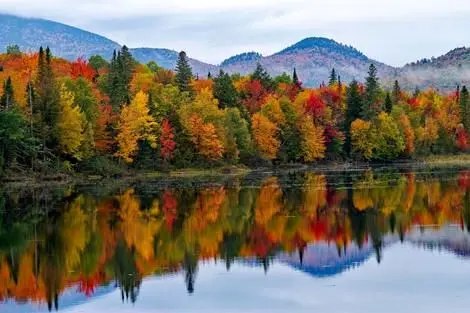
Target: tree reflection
[84,240]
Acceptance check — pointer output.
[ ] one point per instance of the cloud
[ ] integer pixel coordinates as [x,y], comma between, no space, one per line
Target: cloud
[392,31]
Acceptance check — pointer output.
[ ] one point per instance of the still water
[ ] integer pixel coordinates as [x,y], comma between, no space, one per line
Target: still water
[367,241]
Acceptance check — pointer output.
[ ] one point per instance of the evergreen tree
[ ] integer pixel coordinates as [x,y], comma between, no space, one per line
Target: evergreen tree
[295,79]
[7,99]
[46,106]
[119,78]
[396,93]
[261,75]
[416,92]
[388,104]
[371,105]
[465,107]
[184,73]
[333,78]
[225,91]
[353,111]
[209,75]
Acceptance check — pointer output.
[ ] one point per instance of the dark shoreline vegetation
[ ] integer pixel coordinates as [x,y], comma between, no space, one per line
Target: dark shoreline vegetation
[90,119]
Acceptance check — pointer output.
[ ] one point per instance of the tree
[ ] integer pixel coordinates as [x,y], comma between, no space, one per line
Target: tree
[333,78]
[313,141]
[97,62]
[295,79]
[46,106]
[8,97]
[205,138]
[371,106]
[464,100]
[70,124]
[396,93]
[135,124]
[119,78]
[353,111]
[389,141]
[388,104]
[184,73]
[238,132]
[13,50]
[167,142]
[361,133]
[261,75]
[264,134]
[225,91]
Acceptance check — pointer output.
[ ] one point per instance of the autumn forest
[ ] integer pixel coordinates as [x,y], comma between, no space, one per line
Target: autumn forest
[105,116]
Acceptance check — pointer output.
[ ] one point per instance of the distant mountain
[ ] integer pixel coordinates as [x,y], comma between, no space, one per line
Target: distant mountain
[313,57]
[444,72]
[65,41]
[167,58]
[242,57]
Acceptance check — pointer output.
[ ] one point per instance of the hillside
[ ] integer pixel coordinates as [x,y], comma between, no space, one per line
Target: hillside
[444,72]
[313,57]
[65,41]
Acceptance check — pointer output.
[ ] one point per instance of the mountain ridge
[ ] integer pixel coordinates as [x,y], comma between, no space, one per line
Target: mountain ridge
[313,57]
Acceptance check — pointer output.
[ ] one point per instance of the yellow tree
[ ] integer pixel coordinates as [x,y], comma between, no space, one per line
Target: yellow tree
[313,141]
[135,124]
[265,136]
[362,138]
[70,125]
[205,138]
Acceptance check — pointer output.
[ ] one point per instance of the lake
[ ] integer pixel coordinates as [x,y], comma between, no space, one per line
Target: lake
[364,241]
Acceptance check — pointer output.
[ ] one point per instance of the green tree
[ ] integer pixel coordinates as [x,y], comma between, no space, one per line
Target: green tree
[46,106]
[353,111]
[119,78]
[371,105]
[184,73]
[396,93]
[465,108]
[225,91]
[238,132]
[8,97]
[97,62]
[333,78]
[388,103]
[261,75]
[295,79]
[13,50]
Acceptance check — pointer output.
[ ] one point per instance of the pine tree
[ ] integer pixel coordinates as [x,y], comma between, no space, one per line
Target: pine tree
[354,104]
[7,99]
[465,108]
[46,105]
[184,74]
[261,75]
[416,92]
[333,78]
[209,75]
[388,104]
[295,79]
[396,93]
[119,78]
[225,91]
[371,106]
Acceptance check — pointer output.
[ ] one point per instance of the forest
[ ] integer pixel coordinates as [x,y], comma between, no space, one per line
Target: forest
[105,117]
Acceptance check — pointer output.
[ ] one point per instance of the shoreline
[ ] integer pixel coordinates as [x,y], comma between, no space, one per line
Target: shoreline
[434,162]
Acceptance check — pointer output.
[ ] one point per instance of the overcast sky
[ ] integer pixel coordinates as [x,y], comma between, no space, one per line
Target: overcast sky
[391,31]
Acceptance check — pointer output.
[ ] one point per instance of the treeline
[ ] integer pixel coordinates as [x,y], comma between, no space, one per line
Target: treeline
[100,116]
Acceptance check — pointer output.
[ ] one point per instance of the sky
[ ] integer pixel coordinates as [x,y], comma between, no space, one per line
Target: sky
[391,31]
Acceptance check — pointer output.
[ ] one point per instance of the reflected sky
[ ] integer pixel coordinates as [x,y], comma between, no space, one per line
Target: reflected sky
[408,280]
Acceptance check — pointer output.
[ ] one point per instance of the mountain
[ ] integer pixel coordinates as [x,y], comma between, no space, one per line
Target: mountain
[313,57]
[167,58]
[444,72]
[65,41]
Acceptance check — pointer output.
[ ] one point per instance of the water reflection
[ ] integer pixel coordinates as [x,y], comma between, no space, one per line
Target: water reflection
[85,241]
